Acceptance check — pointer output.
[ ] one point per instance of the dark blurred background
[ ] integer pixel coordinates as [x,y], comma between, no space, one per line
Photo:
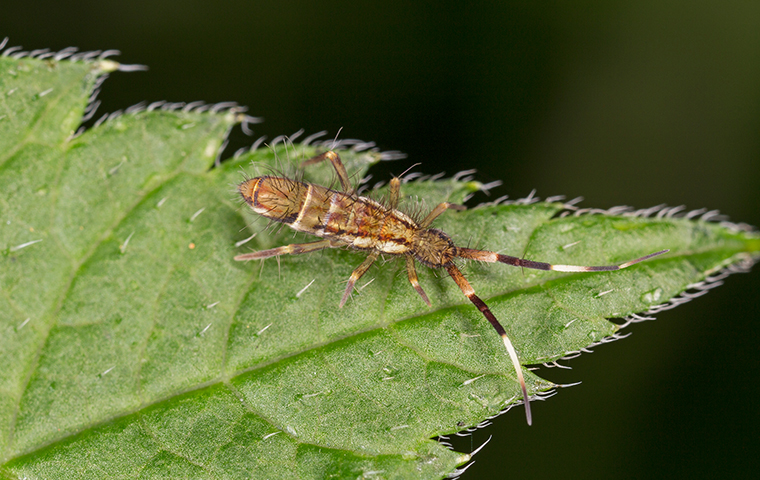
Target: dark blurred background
[636,103]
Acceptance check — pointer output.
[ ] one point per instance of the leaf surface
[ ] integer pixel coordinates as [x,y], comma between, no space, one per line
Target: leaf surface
[134,346]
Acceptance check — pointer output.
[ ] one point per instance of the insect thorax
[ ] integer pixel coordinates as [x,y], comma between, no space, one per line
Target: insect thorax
[434,248]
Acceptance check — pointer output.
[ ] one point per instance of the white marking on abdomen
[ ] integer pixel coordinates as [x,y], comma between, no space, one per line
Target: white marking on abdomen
[296,223]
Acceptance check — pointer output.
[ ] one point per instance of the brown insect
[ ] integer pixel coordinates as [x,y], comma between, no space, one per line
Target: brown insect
[344,219]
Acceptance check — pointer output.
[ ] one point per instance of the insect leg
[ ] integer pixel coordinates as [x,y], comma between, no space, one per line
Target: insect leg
[486,256]
[442,207]
[337,164]
[357,274]
[412,272]
[395,188]
[466,288]
[293,249]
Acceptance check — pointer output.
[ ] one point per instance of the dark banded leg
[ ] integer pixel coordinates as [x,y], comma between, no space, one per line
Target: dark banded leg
[412,272]
[293,249]
[466,288]
[439,209]
[486,256]
[334,158]
[356,275]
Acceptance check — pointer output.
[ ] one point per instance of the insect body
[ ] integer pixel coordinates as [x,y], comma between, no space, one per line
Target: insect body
[344,219]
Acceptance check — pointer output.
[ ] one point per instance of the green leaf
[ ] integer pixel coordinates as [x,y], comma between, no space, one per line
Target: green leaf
[134,346]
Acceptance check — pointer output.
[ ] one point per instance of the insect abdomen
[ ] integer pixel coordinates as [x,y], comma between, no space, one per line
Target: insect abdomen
[277,198]
[351,220]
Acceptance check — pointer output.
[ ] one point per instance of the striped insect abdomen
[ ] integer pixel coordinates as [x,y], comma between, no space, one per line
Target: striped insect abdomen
[276,198]
[358,222]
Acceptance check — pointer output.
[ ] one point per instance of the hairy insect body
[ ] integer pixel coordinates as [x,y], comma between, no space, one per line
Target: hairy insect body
[344,219]
[434,248]
[276,198]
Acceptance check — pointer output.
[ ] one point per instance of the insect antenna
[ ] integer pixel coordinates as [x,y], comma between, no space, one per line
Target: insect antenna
[335,140]
[407,170]
[492,257]
[468,291]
